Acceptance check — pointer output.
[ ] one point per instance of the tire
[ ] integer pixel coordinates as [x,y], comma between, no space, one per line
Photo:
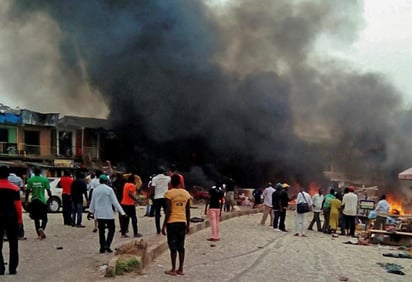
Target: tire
[54,204]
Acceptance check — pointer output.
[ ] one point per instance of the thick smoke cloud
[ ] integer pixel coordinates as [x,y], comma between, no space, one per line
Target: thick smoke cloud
[35,74]
[235,90]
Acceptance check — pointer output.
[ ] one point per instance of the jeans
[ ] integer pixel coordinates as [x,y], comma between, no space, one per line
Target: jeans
[158,204]
[282,219]
[276,214]
[77,210]
[103,241]
[214,218]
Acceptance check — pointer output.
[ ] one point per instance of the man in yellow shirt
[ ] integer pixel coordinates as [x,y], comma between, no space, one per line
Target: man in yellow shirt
[176,223]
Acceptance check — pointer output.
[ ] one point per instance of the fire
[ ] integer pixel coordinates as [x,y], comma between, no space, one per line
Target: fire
[396,205]
[313,188]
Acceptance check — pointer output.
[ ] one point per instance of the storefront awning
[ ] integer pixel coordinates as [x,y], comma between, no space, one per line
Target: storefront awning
[406,174]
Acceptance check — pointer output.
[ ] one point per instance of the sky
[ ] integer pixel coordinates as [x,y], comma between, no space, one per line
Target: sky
[239,78]
[383,45]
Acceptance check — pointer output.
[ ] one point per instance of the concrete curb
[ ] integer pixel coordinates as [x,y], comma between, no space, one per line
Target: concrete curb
[158,248]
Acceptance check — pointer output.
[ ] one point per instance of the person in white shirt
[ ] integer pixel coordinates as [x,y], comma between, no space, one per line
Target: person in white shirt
[101,206]
[91,184]
[382,209]
[300,224]
[160,185]
[267,204]
[317,200]
[350,210]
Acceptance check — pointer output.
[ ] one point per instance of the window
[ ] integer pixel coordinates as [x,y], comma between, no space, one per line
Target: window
[32,142]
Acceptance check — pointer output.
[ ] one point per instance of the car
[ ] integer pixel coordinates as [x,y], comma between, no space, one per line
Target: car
[54,203]
[199,193]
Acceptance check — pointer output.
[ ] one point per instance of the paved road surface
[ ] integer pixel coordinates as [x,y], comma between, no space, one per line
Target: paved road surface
[247,252]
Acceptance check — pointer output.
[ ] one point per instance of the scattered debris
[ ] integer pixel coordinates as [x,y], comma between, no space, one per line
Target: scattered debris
[392,268]
[407,255]
[343,278]
[103,268]
[196,219]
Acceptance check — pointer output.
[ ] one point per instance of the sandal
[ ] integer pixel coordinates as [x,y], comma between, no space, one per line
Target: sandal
[169,272]
[180,272]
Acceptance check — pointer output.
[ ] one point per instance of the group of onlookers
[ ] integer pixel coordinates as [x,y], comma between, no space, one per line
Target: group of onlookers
[339,209]
[275,204]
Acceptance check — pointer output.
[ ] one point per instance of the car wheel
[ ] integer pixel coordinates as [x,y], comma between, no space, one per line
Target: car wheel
[53,204]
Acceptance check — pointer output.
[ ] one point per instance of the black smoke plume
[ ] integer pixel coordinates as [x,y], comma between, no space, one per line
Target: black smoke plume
[237,89]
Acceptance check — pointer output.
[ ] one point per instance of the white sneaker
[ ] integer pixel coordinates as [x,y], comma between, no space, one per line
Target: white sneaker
[277,230]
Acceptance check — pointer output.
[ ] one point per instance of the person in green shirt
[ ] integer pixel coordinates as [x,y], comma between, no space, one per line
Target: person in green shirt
[37,185]
[326,210]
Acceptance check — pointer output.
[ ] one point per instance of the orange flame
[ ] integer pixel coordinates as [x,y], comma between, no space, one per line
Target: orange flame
[313,188]
[396,204]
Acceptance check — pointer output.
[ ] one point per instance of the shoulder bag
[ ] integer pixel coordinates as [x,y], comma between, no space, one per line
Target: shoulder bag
[303,207]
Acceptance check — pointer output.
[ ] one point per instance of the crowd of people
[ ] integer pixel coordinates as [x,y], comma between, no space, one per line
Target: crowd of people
[339,209]
[105,193]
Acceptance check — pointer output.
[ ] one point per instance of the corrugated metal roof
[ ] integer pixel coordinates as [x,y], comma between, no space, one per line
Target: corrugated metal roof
[7,109]
[83,122]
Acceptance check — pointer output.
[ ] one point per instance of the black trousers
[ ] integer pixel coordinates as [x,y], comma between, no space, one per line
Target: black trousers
[67,209]
[326,216]
[10,226]
[102,225]
[39,214]
[176,233]
[158,204]
[315,219]
[282,219]
[349,222]
[130,211]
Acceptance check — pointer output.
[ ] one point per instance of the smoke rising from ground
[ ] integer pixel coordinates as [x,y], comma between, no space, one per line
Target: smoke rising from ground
[238,89]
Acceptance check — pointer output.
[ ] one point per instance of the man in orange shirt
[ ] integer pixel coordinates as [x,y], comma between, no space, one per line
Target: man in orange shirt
[128,204]
[66,183]
[176,223]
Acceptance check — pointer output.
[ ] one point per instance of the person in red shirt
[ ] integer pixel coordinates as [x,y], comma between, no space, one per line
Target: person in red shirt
[173,170]
[10,218]
[128,202]
[66,183]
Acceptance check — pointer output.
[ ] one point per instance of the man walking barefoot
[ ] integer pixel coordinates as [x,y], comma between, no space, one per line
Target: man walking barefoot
[176,223]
